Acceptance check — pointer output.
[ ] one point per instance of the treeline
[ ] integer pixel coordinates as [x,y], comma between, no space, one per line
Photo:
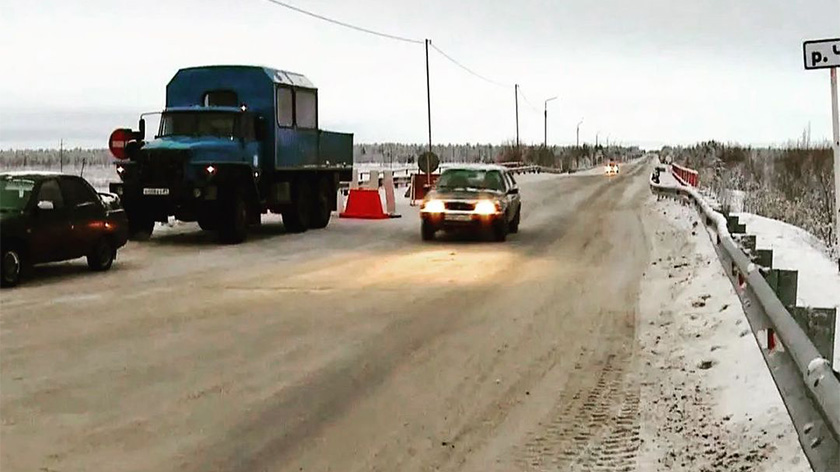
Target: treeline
[794,184]
[54,159]
[561,157]
[566,158]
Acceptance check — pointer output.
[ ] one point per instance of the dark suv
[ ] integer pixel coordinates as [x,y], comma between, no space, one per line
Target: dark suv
[50,217]
[480,198]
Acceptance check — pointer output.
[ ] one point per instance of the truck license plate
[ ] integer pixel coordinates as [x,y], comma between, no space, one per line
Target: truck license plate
[155,191]
[458,217]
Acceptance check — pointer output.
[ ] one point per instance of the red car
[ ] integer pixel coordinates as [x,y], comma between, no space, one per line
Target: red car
[51,217]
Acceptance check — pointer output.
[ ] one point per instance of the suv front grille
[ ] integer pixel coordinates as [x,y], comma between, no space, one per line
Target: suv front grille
[460,206]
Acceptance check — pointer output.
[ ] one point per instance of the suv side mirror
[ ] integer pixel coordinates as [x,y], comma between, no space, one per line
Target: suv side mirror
[513,191]
[46,205]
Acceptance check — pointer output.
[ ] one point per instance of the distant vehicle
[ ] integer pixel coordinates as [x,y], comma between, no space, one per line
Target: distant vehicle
[611,168]
[234,142]
[478,198]
[50,217]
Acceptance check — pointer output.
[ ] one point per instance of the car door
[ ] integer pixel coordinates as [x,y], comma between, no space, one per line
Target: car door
[85,213]
[50,232]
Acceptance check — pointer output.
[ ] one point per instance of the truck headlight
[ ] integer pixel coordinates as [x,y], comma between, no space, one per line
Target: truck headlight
[486,207]
[433,206]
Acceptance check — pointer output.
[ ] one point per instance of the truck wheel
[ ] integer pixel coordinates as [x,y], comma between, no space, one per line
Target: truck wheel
[234,229]
[11,267]
[102,256]
[296,218]
[321,208]
[140,227]
[208,224]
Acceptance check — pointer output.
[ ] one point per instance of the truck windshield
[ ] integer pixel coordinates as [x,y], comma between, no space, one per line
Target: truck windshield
[467,179]
[15,193]
[219,124]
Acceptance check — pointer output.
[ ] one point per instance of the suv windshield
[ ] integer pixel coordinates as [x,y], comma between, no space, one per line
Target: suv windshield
[219,124]
[467,179]
[15,193]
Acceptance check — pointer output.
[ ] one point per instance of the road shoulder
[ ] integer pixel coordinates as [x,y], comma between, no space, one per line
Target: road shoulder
[710,402]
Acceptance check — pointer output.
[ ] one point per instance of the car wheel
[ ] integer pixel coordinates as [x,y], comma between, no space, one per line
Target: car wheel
[427,231]
[234,229]
[500,230]
[102,256]
[514,225]
[11,267]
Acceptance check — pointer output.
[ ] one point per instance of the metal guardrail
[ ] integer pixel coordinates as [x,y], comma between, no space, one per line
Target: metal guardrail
[805,380]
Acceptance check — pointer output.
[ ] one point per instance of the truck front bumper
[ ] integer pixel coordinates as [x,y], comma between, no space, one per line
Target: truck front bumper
[186,201]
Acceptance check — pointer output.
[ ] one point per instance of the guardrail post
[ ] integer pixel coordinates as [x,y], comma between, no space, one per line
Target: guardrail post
[819,325]
[764,257]
[784,284]
[748,243]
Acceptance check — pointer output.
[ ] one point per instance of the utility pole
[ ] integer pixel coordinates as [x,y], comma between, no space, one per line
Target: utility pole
[835,122]
[577,133]
[61,156]
[516,92]
[545,139]
[429,114]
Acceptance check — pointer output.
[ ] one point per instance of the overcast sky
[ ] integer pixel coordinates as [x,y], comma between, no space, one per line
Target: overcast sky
[647,72]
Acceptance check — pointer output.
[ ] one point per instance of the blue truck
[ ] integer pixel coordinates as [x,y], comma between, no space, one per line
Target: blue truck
[234,142]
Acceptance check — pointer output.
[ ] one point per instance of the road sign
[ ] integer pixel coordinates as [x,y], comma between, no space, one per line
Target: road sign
[825,54]
[821,53]
[428,162]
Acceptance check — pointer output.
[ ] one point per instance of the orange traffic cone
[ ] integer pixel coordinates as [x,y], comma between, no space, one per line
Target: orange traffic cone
[364,204]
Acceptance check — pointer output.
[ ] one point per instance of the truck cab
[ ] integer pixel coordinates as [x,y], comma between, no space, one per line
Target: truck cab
[234,142]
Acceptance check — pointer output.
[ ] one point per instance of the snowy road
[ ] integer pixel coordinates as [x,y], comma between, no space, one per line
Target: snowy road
[352,348]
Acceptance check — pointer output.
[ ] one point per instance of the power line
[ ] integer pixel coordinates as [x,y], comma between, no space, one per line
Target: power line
[346,25]
[528,102]
[452,60]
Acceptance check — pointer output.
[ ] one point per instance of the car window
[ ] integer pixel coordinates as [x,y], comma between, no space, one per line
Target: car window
[512,180]
[494,180]
[51,192]
[76,192]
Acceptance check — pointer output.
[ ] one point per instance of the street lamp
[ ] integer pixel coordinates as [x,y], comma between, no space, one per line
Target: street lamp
[577,133]
[545,142]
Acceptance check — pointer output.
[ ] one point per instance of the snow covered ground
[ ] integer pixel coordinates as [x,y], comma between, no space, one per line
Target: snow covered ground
[711,404]
[796,249]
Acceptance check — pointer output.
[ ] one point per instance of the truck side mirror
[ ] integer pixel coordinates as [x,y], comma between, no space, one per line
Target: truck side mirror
[141,134]
[259,128]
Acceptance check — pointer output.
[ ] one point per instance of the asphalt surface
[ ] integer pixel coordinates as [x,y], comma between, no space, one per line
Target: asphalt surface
[357,347]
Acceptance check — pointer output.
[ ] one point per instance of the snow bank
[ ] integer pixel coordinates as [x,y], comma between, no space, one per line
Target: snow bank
[711,402]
